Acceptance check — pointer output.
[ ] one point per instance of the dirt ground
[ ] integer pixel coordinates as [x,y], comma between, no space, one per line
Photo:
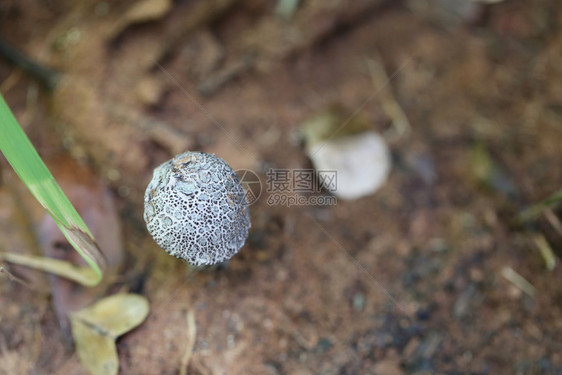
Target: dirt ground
[411,280]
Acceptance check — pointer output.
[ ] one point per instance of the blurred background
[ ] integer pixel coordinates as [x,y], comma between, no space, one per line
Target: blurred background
[447,264]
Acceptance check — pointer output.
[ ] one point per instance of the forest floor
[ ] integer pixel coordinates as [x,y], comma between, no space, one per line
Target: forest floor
[415,279]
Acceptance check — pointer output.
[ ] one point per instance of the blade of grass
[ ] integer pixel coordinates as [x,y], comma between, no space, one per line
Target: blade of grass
[28,165]
[536,210]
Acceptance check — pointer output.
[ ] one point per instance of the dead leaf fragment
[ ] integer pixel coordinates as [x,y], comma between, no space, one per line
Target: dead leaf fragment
[96,328]
[115,315]
[96,351]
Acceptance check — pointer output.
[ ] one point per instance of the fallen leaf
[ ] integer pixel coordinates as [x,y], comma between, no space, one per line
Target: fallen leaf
[96,328]
[96,351]
[114,315]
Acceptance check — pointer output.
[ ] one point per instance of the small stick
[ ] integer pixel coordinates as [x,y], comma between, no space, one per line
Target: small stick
[48,77]
[191,333]
[400,123]
[553,220]
[519,281]
[546,251]
[11,277]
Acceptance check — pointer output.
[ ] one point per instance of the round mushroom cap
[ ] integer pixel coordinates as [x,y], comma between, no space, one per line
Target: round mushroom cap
[195,208]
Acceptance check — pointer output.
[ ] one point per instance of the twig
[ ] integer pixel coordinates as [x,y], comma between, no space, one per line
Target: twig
[13,278]
[553,220]
[400,123]
[191,334]
[519,281]
[546,251]
[48,77]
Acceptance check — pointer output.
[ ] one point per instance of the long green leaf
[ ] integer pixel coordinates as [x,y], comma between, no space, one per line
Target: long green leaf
[27,163]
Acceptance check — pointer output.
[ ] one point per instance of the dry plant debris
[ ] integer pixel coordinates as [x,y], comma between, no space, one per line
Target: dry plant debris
[95,329]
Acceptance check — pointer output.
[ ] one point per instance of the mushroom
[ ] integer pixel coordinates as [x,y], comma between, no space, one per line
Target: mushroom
[195,208]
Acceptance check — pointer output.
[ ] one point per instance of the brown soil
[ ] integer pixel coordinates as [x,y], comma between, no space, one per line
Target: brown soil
[409,280]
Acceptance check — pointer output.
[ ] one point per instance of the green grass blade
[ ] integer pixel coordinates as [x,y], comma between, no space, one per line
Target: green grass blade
[28,165]
[536,210]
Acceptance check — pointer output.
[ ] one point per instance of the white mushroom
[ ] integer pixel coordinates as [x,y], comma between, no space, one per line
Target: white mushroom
[195,208]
